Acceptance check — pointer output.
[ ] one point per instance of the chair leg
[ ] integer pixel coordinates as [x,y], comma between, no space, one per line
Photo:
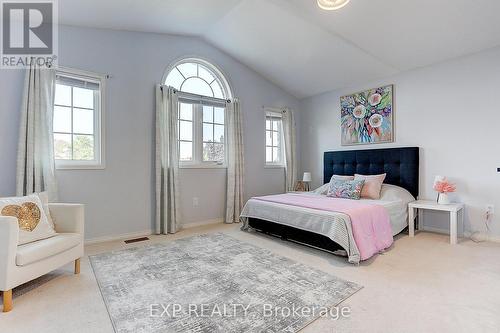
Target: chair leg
[77,266]
[7,300]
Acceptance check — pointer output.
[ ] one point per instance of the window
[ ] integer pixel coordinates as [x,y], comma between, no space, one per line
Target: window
[203,93]
[274,139]
[77,120]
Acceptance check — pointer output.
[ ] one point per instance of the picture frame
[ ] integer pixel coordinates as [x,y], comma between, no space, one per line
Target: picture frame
[367,117]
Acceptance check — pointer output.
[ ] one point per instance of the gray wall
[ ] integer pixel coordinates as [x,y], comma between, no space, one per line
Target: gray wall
[120,198]
[450,110]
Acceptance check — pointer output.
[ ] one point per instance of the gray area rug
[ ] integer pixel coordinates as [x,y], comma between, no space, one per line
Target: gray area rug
[213,283]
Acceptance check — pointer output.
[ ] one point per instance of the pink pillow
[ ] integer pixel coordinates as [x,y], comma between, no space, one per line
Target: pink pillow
[373,185]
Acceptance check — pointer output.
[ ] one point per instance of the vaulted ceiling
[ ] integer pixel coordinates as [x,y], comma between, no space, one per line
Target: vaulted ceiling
[306,50]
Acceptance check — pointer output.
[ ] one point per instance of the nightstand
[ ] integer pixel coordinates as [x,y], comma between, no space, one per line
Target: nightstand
[455,209]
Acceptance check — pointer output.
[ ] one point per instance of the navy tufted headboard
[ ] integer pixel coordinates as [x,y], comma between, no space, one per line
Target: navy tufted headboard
[400,164]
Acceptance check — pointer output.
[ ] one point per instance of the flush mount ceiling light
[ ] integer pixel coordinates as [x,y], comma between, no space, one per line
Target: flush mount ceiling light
[332,4]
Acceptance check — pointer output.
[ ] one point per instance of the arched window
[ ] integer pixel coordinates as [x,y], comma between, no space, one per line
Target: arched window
[203,93]
[198,77]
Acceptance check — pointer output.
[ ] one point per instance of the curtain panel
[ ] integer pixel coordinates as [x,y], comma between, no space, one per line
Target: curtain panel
[235,163]
[290,149]
[35,154]
[167,161]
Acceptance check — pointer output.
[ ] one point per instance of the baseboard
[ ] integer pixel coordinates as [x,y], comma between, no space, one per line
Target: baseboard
[202,223]
[435,230]
[148,232]
[483,235]
[118,237]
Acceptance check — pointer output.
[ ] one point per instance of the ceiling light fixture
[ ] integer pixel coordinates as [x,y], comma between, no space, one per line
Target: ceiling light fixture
[332,4]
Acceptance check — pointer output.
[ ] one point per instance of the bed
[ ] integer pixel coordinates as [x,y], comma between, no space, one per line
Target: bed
[331,230]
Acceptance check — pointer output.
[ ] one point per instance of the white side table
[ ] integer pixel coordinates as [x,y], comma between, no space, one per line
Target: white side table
[454,209]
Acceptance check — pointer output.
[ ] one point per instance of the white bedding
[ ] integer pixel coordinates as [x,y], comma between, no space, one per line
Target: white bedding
[336,226]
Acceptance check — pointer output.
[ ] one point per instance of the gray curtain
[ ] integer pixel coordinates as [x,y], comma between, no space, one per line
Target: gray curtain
[167,161]
[235,164]
[35,154]
[290,149]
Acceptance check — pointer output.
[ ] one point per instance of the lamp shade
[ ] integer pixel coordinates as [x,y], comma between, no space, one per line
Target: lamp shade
[307,177]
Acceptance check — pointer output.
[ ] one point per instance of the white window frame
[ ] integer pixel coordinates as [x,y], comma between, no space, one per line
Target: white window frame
[99,151]
[197,161]
[274,113]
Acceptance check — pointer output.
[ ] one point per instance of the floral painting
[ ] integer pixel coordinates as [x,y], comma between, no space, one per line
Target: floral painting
[366,117]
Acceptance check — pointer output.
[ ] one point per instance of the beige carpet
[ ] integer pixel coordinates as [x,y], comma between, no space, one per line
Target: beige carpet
[422,284]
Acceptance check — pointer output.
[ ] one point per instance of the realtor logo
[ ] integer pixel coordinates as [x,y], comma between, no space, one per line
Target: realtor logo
[28,33]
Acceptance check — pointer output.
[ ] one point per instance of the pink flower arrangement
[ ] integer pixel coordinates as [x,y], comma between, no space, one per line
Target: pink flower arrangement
[444,186]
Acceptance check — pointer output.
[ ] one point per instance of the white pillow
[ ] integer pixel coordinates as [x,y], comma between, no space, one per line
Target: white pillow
[323,190]
[392,193]
[44,198]
[33,224]
[340,177]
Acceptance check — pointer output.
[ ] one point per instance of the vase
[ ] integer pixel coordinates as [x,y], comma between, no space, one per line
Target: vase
[443,199]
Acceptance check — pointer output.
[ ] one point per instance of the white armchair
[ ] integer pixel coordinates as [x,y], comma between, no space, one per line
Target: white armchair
[23,263]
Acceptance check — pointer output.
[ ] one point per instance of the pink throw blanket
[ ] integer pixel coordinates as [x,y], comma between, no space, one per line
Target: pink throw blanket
[371,226]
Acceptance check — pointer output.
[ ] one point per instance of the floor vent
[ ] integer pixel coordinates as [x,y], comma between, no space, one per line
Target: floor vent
[135,240]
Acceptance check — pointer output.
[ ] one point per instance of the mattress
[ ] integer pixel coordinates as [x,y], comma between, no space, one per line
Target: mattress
[334,225]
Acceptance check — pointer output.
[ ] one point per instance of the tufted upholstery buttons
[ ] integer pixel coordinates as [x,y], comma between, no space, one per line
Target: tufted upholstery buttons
[400,164]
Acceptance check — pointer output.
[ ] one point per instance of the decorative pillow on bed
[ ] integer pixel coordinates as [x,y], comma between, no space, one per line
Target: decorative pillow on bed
[33,224]
[373,185]
[323,190]
[339,177]
[347,189]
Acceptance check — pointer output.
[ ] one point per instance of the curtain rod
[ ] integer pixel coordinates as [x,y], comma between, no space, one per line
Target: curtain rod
[207,98]
[81,72]
[272,109]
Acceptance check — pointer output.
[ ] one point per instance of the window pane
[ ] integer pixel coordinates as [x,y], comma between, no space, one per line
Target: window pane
[83,147]
[213,152]
[83,98]
[276,139]
[62,119]
[219,133]
[276,155]
[197,86]
[186,130]
[269,154]
[268,124]
[174,79]
[208,114]
[208,132]
[63,95]
[269,137]
[217,90]
[219,115]
[185,151]
[186,111]
[188,69]
[62,146]
[205,74]
[83,121]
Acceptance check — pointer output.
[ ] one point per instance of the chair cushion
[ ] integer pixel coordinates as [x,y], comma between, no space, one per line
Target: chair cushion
[35,251]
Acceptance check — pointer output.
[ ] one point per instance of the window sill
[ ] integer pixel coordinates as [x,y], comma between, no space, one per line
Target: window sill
[202,166]
[79,166]
[274,166]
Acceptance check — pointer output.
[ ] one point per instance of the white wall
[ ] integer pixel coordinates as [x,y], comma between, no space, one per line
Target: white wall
[450,110]
[120,199]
